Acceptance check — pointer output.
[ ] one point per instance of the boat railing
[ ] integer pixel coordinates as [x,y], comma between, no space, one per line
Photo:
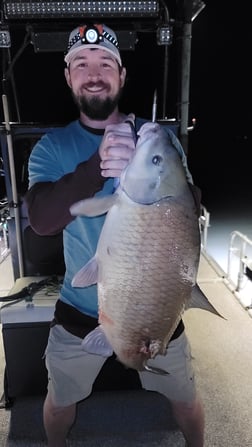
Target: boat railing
[240,248]
[4,240]
[204,223]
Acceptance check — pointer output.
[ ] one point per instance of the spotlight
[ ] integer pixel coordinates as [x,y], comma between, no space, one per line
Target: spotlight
[164,35]
[5,40]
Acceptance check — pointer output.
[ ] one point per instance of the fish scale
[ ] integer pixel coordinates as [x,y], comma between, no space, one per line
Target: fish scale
[144,249]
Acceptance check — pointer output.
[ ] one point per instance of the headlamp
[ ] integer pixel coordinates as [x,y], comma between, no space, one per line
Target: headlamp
[92,34]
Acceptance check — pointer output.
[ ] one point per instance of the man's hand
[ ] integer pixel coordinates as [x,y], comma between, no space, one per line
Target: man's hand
[117,148]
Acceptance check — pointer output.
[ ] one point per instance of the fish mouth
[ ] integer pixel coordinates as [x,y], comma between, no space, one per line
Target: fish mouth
[149,127]
[149,133]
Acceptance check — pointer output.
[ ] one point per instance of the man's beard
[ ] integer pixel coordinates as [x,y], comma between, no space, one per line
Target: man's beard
[97,108]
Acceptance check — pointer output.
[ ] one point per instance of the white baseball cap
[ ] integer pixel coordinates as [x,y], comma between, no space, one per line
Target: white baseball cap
[92,36]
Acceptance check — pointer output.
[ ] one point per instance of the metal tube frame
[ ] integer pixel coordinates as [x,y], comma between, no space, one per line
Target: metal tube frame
[13,185]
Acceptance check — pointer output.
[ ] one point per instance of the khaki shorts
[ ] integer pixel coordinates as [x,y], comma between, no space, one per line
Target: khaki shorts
[72,371]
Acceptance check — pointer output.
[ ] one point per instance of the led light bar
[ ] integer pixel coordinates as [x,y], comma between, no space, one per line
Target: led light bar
[50,9]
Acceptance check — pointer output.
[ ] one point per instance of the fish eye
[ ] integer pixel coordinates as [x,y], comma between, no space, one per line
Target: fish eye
[157,160]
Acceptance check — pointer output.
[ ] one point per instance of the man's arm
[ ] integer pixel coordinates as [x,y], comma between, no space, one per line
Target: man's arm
[48,203]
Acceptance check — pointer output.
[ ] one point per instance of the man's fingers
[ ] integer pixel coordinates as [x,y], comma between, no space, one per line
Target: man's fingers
[117,147]
[123,151]
[108,173]
[115,164]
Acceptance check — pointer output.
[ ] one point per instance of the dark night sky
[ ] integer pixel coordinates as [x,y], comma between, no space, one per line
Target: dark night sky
[220,145]
[220,97]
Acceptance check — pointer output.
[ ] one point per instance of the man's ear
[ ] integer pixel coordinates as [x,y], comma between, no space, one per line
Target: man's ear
[68,78]
[123,76]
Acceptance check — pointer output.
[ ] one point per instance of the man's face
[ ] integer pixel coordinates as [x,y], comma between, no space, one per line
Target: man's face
[96,82]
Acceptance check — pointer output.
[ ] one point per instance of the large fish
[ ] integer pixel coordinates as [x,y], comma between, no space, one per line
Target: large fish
[148,252]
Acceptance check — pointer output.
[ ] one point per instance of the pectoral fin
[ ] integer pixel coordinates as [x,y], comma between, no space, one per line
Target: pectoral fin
[96,343]
[86,276]
[199,300]
[95,206]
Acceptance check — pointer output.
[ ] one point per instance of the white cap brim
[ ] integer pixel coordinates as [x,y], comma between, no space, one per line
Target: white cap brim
[69,56]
